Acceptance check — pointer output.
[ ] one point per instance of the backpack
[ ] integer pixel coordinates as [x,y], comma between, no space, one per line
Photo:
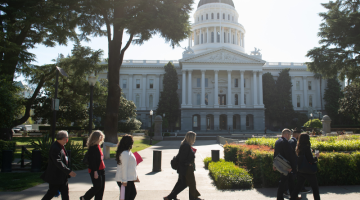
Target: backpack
[174,163]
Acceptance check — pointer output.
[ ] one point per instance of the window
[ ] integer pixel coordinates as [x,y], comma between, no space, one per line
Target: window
[224,37]
[207,16]
[309,85]
[236,99]
[206,82]
[233,39]
[218,16]
[198,82]
[137,100]
[198,19]
[222,99]
[212,15]
[195,121]
[247,120]
[212,37]
[229,17]
[236,82]
[124,83]
[206,99]
[298,101]
[310,101]
[245,99]
[202,17]
[218,37]
[151,81]
[297,85]
[202,38]
[198,99]
[137,83]
[223,15]
[151,99]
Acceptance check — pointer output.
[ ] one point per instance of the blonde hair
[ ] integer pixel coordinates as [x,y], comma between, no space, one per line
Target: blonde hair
[95,137]
[189,138]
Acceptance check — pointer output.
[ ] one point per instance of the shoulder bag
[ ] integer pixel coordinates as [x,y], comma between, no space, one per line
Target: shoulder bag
[281,164]
[306,167]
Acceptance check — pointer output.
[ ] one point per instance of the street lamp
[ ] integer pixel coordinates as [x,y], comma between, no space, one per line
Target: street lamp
[55,101]
[319,114]
[311,116]
[151,114]
[92,81]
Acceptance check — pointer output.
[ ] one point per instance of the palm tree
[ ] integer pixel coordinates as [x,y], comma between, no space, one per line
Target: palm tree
[319,76]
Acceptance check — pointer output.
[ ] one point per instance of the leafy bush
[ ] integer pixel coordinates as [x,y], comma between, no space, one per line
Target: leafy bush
[313,123]
[125,126]
[6,145]
[166,134]
[227,175]
[208,160]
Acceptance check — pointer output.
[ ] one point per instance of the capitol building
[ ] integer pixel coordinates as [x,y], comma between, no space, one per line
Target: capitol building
[220,86]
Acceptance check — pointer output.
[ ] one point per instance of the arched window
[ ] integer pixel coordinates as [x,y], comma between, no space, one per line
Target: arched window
[245,99]
[229,38]
[202,39]
[298,101]
[202,17]
[198,99]
[310,101]
[247,120]
[218,16]
[212,37]
[195,120]
[206,99]
[207,16]
[151,101]
[212,15]
[223,15]
[224,37]
[236,99]
[137,100]
[229,17]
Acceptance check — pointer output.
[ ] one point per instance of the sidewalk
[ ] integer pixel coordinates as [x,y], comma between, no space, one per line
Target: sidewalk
[154,186]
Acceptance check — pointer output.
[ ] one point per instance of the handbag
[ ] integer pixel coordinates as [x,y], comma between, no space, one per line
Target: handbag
[174,162]
[306,167]
[281,164]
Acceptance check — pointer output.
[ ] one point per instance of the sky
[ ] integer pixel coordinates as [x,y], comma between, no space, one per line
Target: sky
[284,30]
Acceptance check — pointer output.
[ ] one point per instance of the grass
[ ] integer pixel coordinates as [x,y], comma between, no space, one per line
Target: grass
[13,182]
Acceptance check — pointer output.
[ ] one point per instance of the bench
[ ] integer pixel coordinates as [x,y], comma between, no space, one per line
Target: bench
[106,149]
[35,134]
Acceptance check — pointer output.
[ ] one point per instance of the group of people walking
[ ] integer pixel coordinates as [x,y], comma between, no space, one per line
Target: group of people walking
[58,171]
[295,149]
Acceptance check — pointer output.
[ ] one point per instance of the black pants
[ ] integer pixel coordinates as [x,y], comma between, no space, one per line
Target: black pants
[130,190]
[98,186]
[311,178]
[284,181]
[53,190]
[183,182]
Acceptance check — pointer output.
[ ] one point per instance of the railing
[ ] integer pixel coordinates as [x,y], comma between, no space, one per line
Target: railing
[285,64]
[149,61]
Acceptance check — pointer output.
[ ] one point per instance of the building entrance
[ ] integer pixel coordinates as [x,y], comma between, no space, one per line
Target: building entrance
[223,122]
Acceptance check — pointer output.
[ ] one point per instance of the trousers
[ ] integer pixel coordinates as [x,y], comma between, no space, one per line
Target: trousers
[311,178]
[282,186]
[97,190]
[53,190]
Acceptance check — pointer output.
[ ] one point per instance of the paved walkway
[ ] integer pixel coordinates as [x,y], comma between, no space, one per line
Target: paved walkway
[154,186]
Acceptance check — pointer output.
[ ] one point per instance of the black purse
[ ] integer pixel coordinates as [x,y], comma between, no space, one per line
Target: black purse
[174,163]
[306,167]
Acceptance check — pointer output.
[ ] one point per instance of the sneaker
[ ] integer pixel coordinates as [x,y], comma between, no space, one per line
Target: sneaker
[304,190]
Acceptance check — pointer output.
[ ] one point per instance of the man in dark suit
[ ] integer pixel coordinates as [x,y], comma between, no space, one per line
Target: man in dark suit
[57,171]
[282,147]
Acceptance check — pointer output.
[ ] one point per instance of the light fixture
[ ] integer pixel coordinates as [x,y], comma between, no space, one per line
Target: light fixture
[92,79]
[151,112]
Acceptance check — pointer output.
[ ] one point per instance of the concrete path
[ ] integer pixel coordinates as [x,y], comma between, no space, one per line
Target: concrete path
[154,186]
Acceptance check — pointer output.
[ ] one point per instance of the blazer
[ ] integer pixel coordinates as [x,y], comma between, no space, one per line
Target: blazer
[94,158]
[305,150]
[185,158]
[57,171]
[282,147]
[127,170]
[293,143]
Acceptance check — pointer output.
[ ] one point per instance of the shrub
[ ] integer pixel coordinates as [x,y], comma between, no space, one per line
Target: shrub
[228,176]
[6,145]
[208,160]
[313,123]
[166,134]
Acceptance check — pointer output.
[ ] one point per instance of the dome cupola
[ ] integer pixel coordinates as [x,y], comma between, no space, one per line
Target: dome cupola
[203,2]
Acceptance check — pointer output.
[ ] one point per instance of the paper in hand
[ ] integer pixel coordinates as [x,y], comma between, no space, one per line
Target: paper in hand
[194,150]
[122,192]
[138,158]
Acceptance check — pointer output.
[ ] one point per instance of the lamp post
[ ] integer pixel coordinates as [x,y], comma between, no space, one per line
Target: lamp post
[55,101]
[311,116]
[163,118]
[92,81]
[319,114]
[151,131]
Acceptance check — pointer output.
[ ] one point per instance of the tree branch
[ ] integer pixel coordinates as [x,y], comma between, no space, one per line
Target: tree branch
[108,28]
[126,47]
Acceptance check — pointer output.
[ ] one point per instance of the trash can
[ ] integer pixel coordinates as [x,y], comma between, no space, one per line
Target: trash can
[7,158]
[215,155]
[156,161]
[36,161]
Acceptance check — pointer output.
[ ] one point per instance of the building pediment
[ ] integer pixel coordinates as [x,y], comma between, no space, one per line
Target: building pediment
[222,55]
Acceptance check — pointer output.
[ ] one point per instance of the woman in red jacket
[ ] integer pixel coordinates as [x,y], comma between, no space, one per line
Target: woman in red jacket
[96,166]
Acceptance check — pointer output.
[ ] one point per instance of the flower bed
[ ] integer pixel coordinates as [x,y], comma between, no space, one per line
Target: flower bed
[227,175]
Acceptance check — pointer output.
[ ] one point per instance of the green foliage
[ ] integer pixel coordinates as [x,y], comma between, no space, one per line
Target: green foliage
[227,175]
[270,97]
[208,160]
[350,104]
[16,182]
[339,52]
[169,98]
[313,123]
[299,120]
[125,126]
[332,96]
[166,134]
[7,145]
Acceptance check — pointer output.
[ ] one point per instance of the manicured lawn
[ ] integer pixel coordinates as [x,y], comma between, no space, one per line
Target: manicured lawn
[13,182]
[140,143]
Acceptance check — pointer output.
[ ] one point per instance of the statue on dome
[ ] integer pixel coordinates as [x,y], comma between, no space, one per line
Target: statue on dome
[188,50]
[256,52]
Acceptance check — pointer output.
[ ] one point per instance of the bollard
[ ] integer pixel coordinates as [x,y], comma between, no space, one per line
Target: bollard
[84,142]
[7,158]
[36,161]
[215,155]
[156,161]
[22,156]
[68,153]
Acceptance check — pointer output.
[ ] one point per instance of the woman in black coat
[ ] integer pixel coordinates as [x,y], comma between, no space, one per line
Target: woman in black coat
[96,166]
[185,169]
[303,149]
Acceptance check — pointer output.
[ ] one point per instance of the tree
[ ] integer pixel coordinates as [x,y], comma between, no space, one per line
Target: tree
[270,97]
[140,19]
[25,23]
[350,104]
[340,40]
[285,109]
[332,96]
[319,77]
[313,123]
[169,98]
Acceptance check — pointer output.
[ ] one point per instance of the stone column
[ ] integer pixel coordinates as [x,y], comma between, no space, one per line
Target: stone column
[216,93]
[221,35]
[189,89]
[183,89]
[242,89]
[261,88]
[216,120]
[231,41]
[236,37]
[203,105]
[130,98]
[157,90]
[189,41]
[143,99]
[243,39]
[255,89]
[305,92]
[229,90]
[243,121]
[201,40]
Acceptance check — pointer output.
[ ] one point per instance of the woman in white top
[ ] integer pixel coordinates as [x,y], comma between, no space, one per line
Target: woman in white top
[126,167]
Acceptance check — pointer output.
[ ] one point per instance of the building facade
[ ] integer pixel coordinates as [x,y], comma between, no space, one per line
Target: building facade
[220,86]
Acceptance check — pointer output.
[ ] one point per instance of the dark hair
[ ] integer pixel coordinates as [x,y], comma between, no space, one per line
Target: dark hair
[125,144]
[304,140]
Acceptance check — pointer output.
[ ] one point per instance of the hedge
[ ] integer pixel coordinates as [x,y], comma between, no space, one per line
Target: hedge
[227,175]
[7,145]
[333,168]
[208,160]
